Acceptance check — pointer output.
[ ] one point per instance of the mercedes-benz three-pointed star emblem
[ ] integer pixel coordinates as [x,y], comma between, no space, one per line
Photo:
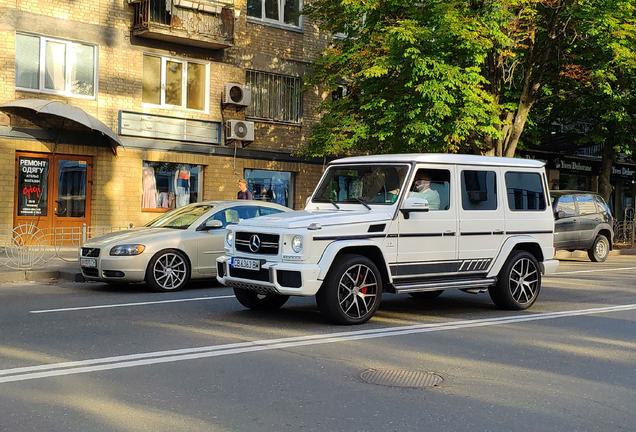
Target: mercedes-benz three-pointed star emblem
[255,243]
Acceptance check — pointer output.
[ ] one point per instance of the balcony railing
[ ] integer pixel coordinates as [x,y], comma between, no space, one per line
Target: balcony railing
[199,23]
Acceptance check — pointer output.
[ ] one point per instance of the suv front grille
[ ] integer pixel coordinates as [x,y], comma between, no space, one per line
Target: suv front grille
[265,244]
[90,252]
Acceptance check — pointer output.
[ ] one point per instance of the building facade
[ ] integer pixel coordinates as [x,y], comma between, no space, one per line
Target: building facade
[199,94]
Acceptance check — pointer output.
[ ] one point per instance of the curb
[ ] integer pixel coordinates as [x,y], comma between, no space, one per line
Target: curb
[40,276]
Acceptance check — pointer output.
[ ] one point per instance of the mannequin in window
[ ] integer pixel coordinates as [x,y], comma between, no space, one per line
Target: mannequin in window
[149,188]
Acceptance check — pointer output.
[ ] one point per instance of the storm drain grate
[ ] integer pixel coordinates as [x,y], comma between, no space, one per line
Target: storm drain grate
[400,378]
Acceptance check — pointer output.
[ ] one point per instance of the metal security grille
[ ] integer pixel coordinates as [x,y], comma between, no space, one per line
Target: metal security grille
[274,97]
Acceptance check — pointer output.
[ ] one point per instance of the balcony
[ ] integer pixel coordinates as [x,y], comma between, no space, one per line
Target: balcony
[200,23]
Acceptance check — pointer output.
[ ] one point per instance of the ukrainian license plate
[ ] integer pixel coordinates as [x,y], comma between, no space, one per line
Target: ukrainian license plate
[88,262]
[246,264]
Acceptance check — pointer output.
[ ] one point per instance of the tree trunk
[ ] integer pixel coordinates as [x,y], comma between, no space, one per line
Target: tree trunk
[607,159]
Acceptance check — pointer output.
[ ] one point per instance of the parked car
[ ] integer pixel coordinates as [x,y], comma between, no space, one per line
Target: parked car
[583,221]
[414,224]
[179,245]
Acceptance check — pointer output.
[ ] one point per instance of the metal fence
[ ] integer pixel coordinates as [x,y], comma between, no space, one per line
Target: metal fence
[27,247]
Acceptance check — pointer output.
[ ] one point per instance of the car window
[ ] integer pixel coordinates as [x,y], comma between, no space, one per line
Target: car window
[479,190]
[264,211]
[586,204]
[525,191]
[566,205]
[226,216]
[601,203]
[432,185]
[180,218]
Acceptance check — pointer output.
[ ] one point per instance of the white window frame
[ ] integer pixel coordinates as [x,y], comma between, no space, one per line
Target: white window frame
[67,64]
[280,21]
[184,84]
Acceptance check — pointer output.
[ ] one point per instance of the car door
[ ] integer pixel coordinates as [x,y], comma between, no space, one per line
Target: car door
[427,242]
[589,219]
[210,241]
[481,215]
[566,228]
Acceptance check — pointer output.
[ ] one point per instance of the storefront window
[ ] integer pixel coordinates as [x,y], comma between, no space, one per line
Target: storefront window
[271,186]
[168,185]
[573,182]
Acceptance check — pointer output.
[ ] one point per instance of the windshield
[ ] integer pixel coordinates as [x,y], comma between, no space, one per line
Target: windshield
[180,218]
[374,184]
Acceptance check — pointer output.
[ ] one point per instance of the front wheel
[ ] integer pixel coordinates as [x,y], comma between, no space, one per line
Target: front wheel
[168,270]
[351,292]
[600,249]
[518,282]
[260,302]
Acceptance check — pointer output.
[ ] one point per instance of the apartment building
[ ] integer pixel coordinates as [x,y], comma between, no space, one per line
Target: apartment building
[186,97]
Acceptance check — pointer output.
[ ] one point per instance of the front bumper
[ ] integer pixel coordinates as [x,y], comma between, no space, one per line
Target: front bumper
[123,269]
[274,277]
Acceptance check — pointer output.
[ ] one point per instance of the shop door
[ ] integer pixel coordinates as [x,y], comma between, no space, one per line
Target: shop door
[53,193]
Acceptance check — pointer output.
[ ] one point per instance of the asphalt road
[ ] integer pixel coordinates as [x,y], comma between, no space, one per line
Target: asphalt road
[89,357]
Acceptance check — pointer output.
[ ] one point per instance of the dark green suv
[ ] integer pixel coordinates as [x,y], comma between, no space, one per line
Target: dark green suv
[583,221]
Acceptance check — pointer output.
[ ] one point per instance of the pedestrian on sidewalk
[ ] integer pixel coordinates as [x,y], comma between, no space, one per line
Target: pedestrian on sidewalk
[243,192]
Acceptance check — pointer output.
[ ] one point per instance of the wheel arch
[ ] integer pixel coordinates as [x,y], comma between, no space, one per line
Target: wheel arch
[366,249]
[513,244]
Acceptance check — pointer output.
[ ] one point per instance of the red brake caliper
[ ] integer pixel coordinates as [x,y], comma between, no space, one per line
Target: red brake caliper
[363,290]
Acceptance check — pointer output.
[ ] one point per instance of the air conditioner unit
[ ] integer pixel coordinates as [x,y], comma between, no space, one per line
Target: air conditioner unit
[237,94]
[240,130]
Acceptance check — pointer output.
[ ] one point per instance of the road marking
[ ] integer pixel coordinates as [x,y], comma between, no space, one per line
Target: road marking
[592,271]
[146,359]
[128,304]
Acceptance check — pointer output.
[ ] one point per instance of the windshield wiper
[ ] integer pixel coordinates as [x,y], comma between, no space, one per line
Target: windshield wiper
[326,199]
[364,203]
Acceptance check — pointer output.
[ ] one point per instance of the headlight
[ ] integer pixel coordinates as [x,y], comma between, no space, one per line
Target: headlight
[229,238]
[297,244]
[127,250]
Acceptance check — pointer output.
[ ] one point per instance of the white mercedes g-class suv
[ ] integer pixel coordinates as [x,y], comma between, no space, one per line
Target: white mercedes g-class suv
[413,224]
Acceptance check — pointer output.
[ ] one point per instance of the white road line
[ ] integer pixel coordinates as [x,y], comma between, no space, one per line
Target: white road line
[128,304]
[593,271]
[145,359]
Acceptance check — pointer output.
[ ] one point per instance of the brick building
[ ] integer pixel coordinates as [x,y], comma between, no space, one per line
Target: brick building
[199,94]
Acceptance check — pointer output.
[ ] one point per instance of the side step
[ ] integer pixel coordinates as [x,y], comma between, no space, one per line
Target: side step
[444,285]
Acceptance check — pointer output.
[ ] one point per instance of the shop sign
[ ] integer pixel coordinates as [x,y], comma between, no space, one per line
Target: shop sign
[571,165]
[32,181]
[623,172]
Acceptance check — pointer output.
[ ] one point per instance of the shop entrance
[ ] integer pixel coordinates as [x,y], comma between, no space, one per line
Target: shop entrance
[54,193]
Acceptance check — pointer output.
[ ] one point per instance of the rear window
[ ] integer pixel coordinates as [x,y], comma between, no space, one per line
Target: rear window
[525,191]
[586,204]
[602,204]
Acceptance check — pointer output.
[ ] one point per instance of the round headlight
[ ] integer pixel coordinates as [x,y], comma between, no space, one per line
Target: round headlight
[297,244]
[229,238]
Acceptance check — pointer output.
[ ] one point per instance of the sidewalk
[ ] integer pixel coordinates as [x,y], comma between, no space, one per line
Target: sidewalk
[67,267]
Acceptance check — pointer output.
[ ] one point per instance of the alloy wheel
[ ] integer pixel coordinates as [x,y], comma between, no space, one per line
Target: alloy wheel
[358,291]
[524,281]
[170,271]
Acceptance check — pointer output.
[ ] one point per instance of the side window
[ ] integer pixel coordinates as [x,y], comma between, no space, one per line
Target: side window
[525,191]
[566,205]
[246,212]
[602,205]
[479,190]
[434,186]
[586,204]
[265,211]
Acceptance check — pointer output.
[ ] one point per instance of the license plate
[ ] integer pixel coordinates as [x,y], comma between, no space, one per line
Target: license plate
[88,262]
[246,264]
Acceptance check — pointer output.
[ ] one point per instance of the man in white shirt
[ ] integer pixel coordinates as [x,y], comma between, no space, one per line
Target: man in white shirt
[422,189]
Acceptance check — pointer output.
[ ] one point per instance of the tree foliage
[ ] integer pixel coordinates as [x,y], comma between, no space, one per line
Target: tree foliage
[451,76]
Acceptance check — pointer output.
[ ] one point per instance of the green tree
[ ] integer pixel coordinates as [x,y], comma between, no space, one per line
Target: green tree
[426,75]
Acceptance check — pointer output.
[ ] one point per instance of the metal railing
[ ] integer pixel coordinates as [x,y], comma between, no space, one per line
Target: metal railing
[27,246]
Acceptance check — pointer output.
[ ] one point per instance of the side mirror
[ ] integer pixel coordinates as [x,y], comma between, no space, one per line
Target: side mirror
[414,204]
[213,224]
[559,214]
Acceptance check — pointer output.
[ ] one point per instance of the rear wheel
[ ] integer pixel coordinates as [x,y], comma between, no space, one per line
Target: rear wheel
[352,290]
[260,302]
[426,295]
[518,282]
[600,249]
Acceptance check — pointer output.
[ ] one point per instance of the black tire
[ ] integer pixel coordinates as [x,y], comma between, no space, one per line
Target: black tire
[600,249]
[260,302]
[518,282]
[344,299]
[426,295]
[168,270]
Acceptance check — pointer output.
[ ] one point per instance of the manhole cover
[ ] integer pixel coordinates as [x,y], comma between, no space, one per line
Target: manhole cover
[400,378]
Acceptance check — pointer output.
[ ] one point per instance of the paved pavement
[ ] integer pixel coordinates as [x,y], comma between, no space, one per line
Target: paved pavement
[64,265]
